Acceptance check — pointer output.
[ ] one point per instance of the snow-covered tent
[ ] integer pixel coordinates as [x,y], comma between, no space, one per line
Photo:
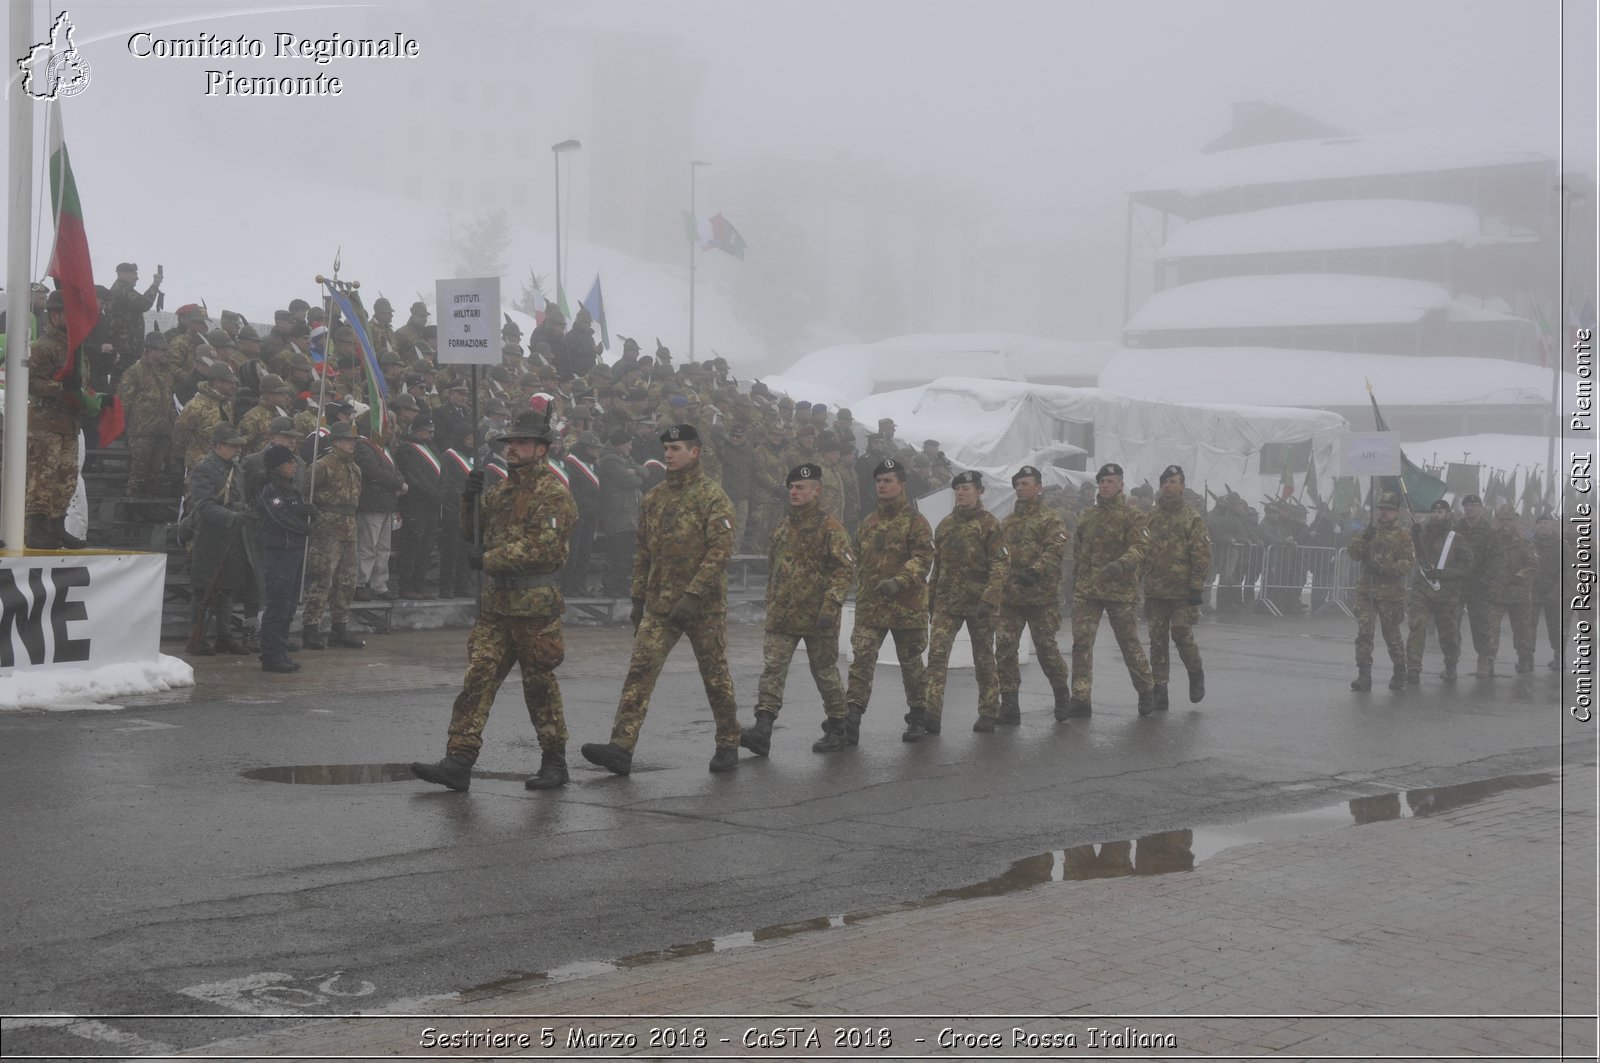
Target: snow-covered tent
[854,371]
[997,425]
[1335,225]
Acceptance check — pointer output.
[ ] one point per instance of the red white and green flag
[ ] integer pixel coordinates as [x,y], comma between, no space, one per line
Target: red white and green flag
[715,232]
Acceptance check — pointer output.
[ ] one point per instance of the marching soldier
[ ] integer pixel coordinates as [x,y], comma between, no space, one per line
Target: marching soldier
[1436,593]
[1547,600]
[809,570]
[970,563]
[1386,554]
[331,560]
[1510,574]
[212,405]
[146,391]
[1476,530]
[1110,545]
[525,521]
[55,383]
[896,555]
[680,587]
[1036,537]
[1177,561]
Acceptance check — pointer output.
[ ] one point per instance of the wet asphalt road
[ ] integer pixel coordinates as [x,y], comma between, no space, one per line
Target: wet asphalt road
[145,873]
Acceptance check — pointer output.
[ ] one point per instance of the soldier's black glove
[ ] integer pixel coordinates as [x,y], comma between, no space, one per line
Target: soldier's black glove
[886,587]
[1025,577]
[684,610]
[474,554]
[985,610]
[474,484]
[1113,570]
[637,614]
[1197,598]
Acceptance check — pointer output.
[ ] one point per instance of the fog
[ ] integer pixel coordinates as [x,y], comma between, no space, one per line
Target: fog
[894,167]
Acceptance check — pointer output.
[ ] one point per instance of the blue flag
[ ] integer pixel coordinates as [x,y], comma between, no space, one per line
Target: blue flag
[595,303]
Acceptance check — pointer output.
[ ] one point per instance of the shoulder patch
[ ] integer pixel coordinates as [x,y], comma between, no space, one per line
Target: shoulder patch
[550,522]
[850,556]
[725,522]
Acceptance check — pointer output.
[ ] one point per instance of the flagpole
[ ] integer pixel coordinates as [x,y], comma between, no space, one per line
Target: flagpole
[19,201]
[693,167]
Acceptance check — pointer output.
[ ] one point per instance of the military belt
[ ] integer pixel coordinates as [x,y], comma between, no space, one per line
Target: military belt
[343,511]
[523,583]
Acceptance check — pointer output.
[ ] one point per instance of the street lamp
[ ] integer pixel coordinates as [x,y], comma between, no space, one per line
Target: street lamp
[555,156]
[693,168]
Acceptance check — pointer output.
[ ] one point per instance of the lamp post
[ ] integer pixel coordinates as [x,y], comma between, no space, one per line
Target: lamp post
[555,157]
[693,169]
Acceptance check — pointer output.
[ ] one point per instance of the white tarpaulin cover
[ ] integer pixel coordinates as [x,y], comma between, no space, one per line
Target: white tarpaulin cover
[1302,299]
[1335,225]
[997,425]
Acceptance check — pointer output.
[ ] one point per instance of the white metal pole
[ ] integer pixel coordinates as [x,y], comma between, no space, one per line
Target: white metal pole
[693,166]
[19,313]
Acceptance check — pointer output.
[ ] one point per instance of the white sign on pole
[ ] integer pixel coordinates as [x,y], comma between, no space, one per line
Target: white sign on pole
[468,319]
[1370,454]
[79,610]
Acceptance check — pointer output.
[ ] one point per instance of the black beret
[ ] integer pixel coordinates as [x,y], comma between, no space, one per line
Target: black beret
[889,465]
[680,433]
[282,315]
[1026,470]
[971,476]
[808,471]
[127,267]
[1110,468]
[1472,500]
[1440,506]
[1169,472]
[277,454]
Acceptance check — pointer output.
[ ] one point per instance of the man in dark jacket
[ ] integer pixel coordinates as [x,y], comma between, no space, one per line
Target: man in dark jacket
[219,567]
[455,571]
[282,527]
[584,483]
[419,506]
[738,473]
[381,484]
[620,482]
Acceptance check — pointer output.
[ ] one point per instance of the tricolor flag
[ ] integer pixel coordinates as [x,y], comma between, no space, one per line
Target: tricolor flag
[377,386]
[595,303]
[714,232]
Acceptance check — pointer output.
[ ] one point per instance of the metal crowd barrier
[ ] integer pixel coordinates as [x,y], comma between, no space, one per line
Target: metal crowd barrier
[1298,579]
[1239,568]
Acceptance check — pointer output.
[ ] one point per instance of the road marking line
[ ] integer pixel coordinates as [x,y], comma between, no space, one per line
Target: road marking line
[148,725]
[91,1030]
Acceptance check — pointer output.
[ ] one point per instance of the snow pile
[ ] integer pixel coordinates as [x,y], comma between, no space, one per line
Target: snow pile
[857,370]
[1288,299]
[51,687]
[1275,376]
[1335,225]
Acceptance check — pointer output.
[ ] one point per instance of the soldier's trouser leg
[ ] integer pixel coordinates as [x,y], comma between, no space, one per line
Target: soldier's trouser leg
[320,558]
[1366,626]
[1493,614]
[540,650]
[822,654]
[651,645]
[910,643]
[1553,620]
[708,635]
[1392,618]
[1478,621]
[1085,626]
[1044,623]
[981,633]
[941,637]
[1124,619]
[864,644]
[1523,625]
[1447,622]
[1158,617]
[449,545]
[490,655]
[1184,617]
[1418,612]
[280,574]
[776,653]
[1007,647]
[344,581]
[52,472]
[147,457]
[619,564]
[741,524]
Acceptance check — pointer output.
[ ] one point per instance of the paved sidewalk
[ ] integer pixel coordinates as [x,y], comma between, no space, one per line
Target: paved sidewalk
[1456,912]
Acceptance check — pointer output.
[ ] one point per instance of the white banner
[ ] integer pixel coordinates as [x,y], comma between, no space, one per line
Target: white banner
[1370,454]
[80,610]
[468,320]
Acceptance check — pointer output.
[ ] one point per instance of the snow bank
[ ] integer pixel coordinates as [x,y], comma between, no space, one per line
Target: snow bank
[70,688]
[1275,376]
[1331,226]
[1283,300]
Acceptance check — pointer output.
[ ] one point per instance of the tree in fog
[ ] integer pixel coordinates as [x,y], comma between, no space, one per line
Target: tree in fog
[479,246]
[532,294]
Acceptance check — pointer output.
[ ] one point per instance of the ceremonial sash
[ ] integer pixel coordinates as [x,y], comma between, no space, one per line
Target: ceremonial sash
[426,453]
[587,471]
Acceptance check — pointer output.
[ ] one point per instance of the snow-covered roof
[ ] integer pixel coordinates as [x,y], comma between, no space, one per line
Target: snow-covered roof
[1418,151]
[1335,225]
[1272,376]
[857,370]
[1302,299]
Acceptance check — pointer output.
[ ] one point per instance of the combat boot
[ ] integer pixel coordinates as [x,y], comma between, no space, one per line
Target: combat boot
[1197,685]
[1485,667]
[1524,664]
[1159,696]
[344,639]
[1010,710]
[725,759]
[609,756]
[39,534]
[916,728]
[758,739]
[226,643]
[1363,679]
[453,772]
[833,736]
[983,724]
[1449,673]
[1147,701]
[312,639]
[68,541]
[1076,707]
[284,666]
[852,725]
[930,722]
[1413,678]
[552,771]
[1398,680]
[252,638]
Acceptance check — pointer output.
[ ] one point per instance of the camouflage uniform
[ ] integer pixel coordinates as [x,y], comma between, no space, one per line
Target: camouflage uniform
[125,312]
[1036,536]
[970,565]
[1547,600]
[52,473]
[685,540]
[1443,606]
[331,560]
[1479,535]
[1177,562]
[1111,532]
[146,391]
[526,522]
[191,435]
[253,425]
[809,570]
[1386,555]
[1510,577]
[896,544]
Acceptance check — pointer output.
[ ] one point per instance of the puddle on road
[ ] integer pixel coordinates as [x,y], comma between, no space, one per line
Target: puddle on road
[1161,853]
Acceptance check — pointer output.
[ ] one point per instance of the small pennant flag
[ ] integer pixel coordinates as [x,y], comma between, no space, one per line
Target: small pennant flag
[595,303]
